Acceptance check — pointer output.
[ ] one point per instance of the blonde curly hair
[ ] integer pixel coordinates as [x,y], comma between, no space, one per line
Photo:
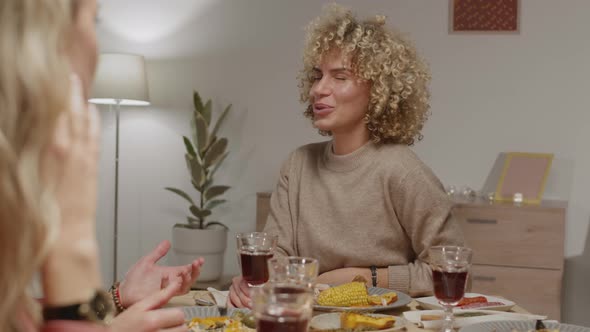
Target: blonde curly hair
[399,97]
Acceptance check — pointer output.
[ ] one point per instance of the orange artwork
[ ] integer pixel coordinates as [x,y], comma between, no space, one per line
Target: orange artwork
[485,15]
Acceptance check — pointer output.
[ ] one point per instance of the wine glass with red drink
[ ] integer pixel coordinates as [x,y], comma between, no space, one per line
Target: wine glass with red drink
[254,250]
[282,307]
[450,266]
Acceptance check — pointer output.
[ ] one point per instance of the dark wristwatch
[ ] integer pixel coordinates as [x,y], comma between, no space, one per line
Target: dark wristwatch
[99,309]
[374,275]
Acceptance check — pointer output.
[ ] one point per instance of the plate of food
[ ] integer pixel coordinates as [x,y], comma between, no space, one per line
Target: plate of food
[523,326]
[470,301]
[356,321]
[433,319]
[356,296]
[235,321]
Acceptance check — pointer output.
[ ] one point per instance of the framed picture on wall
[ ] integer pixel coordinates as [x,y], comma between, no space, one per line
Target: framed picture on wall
[495,16]
[526,174]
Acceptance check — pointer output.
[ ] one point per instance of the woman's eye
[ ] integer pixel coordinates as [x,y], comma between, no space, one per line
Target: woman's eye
[341,78]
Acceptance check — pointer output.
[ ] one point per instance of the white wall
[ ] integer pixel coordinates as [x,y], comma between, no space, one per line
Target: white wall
[491,93]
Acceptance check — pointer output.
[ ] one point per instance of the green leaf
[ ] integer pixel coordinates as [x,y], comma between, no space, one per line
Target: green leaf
[214,192]
[197,102]
[196,169]
[181,194]
[215,223]
[206,113]
[201,214]
[215,152]
[216,202]
[220,120]
[189,146]
[216,166]
[202,132]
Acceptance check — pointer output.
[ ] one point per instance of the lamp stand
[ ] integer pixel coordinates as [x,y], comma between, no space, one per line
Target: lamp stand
[116,216]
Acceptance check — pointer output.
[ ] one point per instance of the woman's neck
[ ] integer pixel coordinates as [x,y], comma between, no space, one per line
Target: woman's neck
[349,141]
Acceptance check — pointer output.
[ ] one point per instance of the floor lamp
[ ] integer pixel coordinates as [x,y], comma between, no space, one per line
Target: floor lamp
[120,81]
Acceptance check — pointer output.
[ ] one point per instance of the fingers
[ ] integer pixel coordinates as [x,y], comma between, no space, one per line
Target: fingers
[196,269]
[239,293]
[234,299]
[160,251]
[160,298]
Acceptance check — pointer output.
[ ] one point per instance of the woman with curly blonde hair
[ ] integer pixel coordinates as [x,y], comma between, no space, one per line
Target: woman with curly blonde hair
[362,203]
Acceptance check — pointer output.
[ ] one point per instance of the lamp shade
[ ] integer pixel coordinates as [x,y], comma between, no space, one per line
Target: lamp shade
[120,78]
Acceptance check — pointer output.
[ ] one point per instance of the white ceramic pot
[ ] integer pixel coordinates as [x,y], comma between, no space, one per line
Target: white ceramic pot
[189,244]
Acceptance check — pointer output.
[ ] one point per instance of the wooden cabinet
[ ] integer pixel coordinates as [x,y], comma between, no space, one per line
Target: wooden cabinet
[518,251]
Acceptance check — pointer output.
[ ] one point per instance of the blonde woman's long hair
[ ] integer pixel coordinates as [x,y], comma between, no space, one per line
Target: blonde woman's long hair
[34,90]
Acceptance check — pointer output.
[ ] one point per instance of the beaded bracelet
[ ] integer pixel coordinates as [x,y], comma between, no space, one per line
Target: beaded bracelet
[114,291]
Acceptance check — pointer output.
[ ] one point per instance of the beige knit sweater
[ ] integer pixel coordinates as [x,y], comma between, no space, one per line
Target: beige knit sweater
[379,205]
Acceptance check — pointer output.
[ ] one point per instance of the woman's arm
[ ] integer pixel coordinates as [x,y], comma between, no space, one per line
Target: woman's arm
[424,211]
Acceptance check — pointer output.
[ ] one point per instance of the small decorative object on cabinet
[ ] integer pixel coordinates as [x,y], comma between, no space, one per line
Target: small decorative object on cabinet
[518,251]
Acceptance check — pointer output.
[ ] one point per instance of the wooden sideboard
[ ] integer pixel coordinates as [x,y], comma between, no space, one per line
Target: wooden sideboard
[518,250]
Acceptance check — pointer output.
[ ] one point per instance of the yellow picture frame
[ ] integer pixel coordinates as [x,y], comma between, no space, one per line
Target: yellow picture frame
[525,173]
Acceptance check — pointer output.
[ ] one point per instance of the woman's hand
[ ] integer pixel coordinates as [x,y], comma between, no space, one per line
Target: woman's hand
[239,294]
[145,277]
[144,316]
[69,169]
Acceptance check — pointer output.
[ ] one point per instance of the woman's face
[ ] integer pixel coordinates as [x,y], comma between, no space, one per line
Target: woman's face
[339,99]
[82,49]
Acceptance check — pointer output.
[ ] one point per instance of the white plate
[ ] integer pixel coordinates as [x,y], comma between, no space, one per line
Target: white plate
[431,302]
[332,321]
[402,300]
[515,325]
[415,317]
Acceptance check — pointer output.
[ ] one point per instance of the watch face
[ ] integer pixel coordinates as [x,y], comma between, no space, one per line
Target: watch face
[102,306]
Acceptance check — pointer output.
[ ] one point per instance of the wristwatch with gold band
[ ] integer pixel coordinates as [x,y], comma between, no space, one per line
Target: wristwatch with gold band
[98,309]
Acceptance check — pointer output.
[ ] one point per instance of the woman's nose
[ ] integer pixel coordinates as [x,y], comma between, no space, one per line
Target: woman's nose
[321,87]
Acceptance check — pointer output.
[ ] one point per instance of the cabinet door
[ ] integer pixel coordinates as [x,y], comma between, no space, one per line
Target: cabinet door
[513,237]
[535,290]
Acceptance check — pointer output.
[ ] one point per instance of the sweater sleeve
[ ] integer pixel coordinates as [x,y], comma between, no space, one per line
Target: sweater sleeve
[424,211]
[279,221]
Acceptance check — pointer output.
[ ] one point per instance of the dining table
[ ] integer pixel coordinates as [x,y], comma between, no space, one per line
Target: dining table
[189,300]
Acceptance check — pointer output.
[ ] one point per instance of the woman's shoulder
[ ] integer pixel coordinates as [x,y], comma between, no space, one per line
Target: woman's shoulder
[399,156]
[311,150]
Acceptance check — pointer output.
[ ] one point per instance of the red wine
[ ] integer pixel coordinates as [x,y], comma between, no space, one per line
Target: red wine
[284,289]
[449,287]
[280,324]
[254,267]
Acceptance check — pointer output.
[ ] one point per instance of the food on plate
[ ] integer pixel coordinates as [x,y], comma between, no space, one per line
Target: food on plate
[383,299]
[470,300]
[428,317]
[238,322]
[353,320]
[352,294]
[477,302]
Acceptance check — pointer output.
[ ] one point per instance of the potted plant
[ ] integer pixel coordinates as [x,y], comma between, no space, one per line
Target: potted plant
[205,152]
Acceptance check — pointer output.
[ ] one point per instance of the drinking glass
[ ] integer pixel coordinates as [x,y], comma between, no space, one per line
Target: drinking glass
[254,250]
[282,307]
[450,265]
[293,270]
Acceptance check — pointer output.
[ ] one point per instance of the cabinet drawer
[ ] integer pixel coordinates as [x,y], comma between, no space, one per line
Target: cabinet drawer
[513,237]
[535,290]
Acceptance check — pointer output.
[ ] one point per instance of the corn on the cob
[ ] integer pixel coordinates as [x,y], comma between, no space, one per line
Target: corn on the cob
[352,294]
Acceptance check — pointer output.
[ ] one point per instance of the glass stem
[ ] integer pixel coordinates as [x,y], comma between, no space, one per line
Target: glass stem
[448,322]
